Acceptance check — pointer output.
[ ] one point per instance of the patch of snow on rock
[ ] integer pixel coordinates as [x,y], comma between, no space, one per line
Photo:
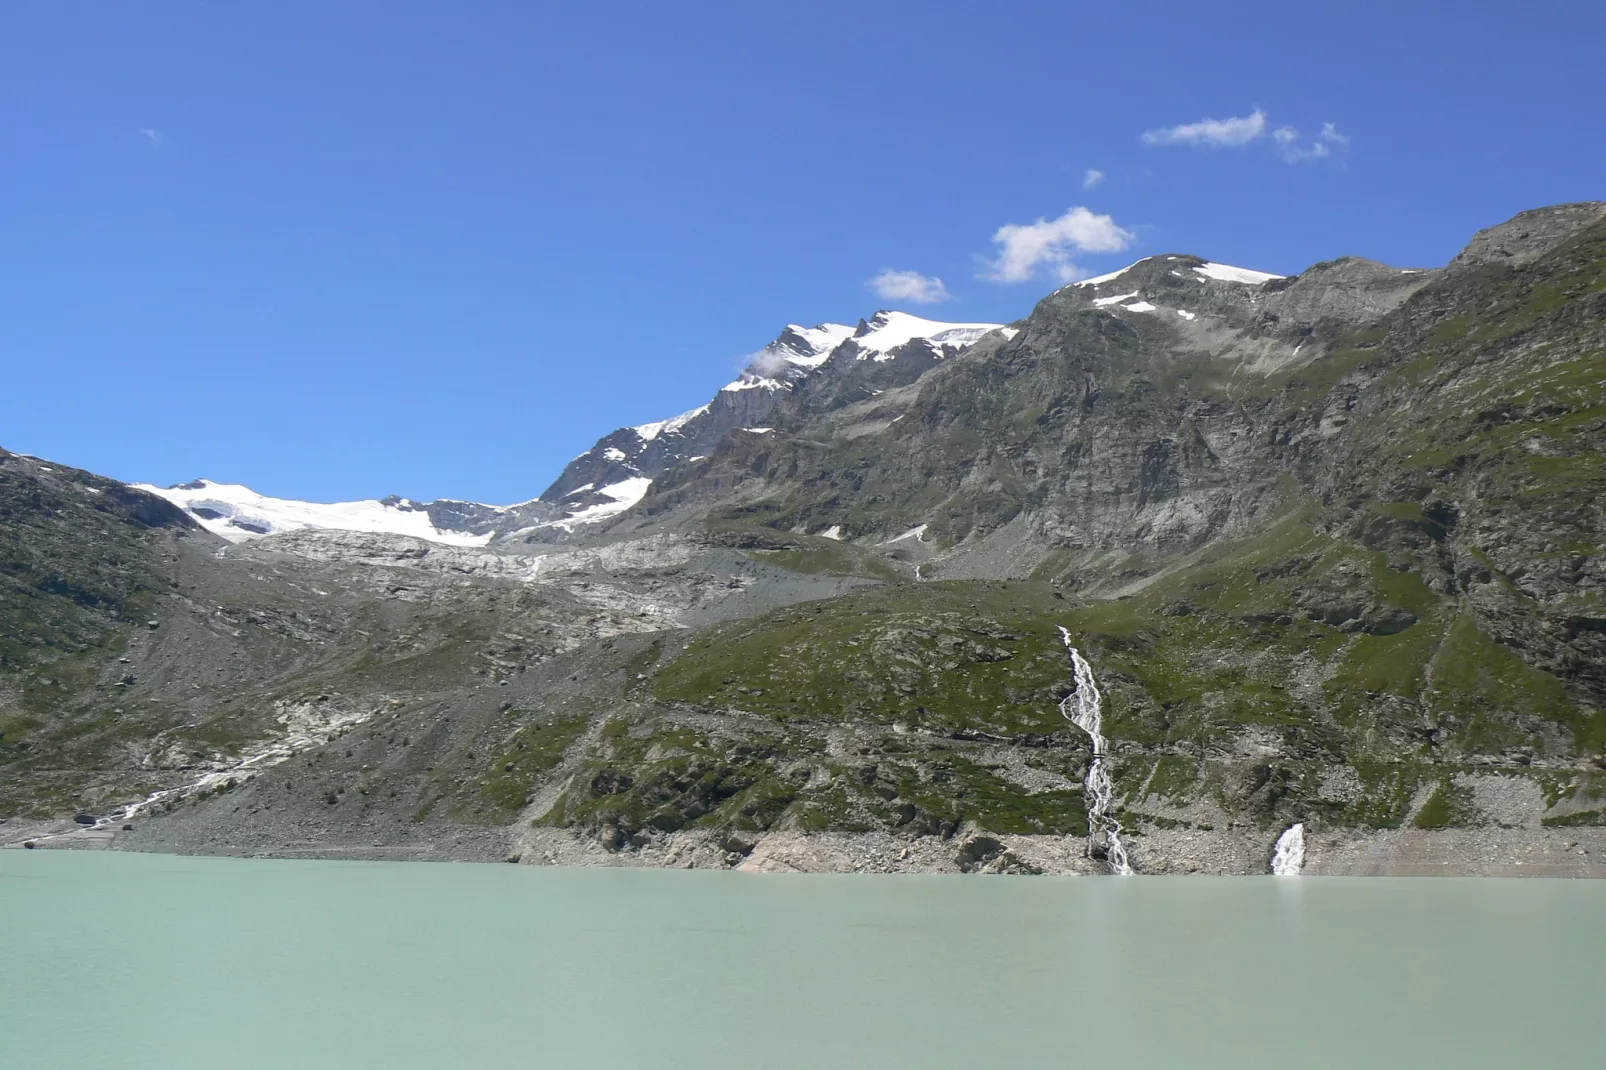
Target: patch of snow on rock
[917,533]
[625,493]
[1228,273]
[1101,302]
[833,532]
[1139,306]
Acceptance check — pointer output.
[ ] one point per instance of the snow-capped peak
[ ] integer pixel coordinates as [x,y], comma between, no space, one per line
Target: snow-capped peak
[239,513]
[1208,270]
[648,432]
[753,381]
[800,350]
[808,347]
[887,330]
[609,469]
[1099,280]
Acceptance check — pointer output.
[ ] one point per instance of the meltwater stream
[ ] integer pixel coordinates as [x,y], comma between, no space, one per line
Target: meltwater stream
[1084,708]
[302,732]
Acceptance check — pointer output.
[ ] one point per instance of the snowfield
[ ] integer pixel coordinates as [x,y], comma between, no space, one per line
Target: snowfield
[889,330]
[239,513]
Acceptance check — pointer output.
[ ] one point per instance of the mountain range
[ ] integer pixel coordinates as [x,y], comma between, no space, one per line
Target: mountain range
[1331,543]
[890,348]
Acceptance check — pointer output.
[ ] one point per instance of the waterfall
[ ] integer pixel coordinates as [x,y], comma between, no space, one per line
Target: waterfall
[1289,856]
[1084,708]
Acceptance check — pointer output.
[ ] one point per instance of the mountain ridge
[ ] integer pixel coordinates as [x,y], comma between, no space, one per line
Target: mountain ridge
[609,478]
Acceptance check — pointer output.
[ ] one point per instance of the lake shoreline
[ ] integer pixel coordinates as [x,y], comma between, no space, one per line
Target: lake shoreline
[1480,852]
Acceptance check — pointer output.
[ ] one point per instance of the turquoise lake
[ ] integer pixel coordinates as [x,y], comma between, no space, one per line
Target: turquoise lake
[130,961]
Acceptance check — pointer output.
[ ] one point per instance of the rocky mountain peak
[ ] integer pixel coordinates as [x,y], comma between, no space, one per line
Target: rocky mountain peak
[823,362]
[1349,289]
[1529,235]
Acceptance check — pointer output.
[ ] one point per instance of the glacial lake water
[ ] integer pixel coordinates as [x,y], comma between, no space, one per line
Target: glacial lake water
[131,961]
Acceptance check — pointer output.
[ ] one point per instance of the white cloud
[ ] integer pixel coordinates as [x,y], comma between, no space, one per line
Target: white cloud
[765,364]
[909,286]
[1291,151]
[1212,133]
[153,136]
[1024,248]
[1092,178]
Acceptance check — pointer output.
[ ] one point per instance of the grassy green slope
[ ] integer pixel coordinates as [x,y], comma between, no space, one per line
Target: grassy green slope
[82,562]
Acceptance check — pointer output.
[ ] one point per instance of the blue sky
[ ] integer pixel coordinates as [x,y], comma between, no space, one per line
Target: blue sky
[345,249]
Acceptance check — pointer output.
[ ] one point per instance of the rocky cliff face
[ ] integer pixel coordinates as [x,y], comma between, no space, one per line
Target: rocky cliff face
[1332,544]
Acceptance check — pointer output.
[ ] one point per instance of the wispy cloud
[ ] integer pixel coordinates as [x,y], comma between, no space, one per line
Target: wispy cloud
[1236,132]
[1024,249]
[1212,133]
[153,136]
[1092,178]
[1324,144]
[909,286]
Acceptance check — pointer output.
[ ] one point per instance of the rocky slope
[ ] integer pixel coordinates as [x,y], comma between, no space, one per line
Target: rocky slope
[1332,544]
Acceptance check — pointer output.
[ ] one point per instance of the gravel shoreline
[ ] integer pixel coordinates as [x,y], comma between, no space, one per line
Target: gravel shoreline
[1485,852]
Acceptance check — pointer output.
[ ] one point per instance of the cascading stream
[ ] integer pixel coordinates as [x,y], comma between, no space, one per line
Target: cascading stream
[298,738]
[1084,708]
[1288,858]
